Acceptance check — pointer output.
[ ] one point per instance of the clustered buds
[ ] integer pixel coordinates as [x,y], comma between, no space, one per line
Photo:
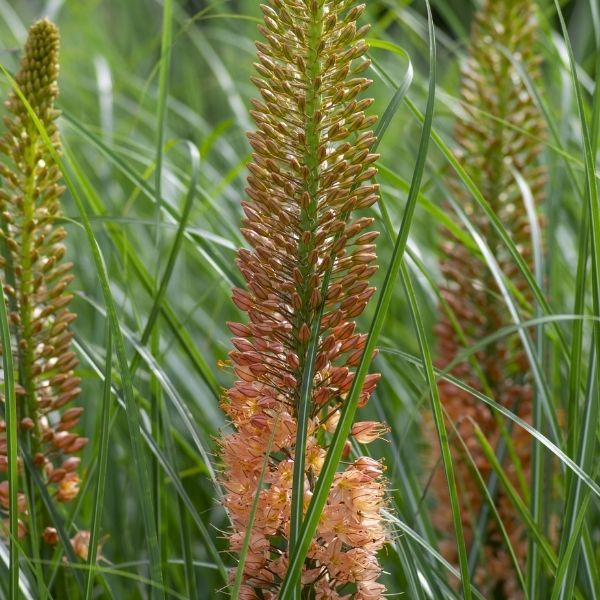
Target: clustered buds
[311,170]
[500,131]
[35,277]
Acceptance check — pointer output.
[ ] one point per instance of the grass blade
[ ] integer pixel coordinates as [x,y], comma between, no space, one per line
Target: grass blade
[186,545]
[102,469]
[10,407]
[569,463]
[578,497]
[567,581]
[490,503]
[308,375]
[161,108]
[164,283]
[440,425]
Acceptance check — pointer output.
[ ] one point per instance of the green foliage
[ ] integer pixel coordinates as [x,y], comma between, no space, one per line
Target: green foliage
[165,287]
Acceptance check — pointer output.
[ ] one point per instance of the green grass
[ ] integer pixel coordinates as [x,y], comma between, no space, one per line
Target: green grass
[155,108]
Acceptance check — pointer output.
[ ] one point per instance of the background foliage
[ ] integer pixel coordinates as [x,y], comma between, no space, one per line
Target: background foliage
[110,90]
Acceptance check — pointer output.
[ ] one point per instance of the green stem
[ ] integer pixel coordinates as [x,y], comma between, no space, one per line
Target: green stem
[24,340]
[25,293]
[308,218]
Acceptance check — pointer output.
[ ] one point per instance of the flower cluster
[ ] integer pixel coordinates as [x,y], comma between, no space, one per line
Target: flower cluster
[310,172]
[498,134]
[35,277]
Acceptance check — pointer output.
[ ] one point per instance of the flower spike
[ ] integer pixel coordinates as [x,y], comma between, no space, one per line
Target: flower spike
[311,171]
[35,276]
[499,134]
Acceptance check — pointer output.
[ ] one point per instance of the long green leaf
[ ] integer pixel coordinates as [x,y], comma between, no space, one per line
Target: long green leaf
[306,390]
[490,498]
[175,248]
[440,426]
[578,496]
[161,107]
[574,526]
[10,404]
[569,463]
[102,469]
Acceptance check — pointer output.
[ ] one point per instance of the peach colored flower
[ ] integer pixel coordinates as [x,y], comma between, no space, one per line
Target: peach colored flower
[68,487]
[81,544]
[366,432]
[50,536]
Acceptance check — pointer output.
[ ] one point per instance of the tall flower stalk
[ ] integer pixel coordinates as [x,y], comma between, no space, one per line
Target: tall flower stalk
[498,135]
[310,253]
[36,279]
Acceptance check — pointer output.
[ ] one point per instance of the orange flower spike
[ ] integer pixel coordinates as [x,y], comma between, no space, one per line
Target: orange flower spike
[310,171]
